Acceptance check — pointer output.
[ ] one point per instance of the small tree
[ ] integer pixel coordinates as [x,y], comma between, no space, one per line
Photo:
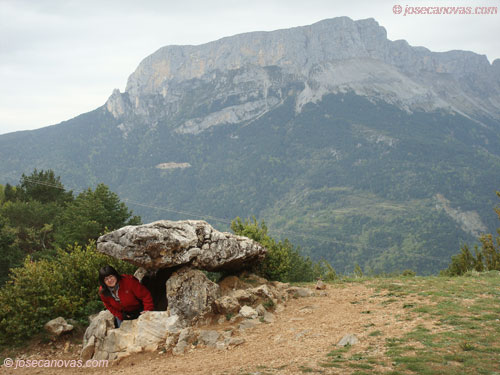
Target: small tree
[43,186]
[91,214]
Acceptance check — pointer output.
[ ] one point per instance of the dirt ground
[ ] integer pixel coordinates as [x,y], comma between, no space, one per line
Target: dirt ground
[300,338]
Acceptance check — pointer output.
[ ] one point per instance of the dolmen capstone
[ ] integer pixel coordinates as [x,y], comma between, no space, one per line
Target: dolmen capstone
[172,259]
[167,244]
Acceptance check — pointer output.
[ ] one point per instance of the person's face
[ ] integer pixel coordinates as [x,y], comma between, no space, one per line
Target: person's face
[110,281]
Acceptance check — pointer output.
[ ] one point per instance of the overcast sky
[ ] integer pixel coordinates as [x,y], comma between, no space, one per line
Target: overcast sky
[61,58]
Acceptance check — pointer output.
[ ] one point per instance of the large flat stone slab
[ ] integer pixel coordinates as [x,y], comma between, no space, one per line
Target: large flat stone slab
[164,244]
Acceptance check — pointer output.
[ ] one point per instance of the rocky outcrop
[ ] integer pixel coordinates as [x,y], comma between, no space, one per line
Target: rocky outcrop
[191,295]
[170,255]
[167,244]
[470,221]
[103,341]
[237,303]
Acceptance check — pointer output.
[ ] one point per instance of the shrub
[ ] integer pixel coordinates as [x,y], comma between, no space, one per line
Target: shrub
[39,291]
[283,261]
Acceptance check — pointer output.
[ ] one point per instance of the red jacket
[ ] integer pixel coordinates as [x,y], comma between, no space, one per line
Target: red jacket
[131,294]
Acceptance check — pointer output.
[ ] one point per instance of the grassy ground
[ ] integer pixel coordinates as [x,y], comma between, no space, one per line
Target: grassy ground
[463,336]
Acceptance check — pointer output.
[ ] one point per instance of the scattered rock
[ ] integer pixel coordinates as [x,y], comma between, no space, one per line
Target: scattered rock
[248,323]
[348,339]
[58,326]
[208,338]
[227,305]
[235,341]
[243,296]
[95,334]
[67,346]
[261,310]
[320,285]
[300,292]
[268,317]
[248,312]
[186,338]
[88,350]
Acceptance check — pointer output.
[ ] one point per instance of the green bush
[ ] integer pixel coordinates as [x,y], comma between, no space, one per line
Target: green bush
[283,261]
[42,290]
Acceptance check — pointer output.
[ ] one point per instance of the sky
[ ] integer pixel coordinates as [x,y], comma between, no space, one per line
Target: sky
[62,58]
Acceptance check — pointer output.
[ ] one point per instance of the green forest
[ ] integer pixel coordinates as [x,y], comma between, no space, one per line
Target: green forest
[38,216]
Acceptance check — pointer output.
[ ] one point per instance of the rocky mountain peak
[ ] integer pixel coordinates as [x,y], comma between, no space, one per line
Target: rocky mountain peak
[330,56]
[296,49]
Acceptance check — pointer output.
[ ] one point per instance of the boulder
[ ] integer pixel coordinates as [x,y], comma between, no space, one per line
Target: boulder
[348,339]
[186,337]
[95,334]
[248,312]
[208,337]
[300,292]
[167,244]
[261,310]
[227,305]
[150,330]
[248,323]
[153,327]
[58,326]
[191,295]
[320,285]
[268,317]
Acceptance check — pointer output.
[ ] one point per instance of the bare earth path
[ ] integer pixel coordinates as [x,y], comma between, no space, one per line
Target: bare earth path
[304,332]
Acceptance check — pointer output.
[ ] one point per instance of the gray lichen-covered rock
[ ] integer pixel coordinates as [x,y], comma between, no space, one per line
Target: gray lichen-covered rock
[95,334]
[58,326]
[191,295]
[348,339]
[248,312]
[103,341]
[166,244]
[208,337]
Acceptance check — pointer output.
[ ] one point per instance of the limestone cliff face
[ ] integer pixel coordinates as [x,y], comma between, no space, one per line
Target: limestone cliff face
[246,75]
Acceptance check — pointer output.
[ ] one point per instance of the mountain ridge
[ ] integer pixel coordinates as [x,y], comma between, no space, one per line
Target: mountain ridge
[298,50]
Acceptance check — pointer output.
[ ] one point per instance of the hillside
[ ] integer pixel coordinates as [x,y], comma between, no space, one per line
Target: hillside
[405,325]
[357,148]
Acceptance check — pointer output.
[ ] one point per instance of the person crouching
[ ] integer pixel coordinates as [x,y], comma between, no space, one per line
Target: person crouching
[123,295]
